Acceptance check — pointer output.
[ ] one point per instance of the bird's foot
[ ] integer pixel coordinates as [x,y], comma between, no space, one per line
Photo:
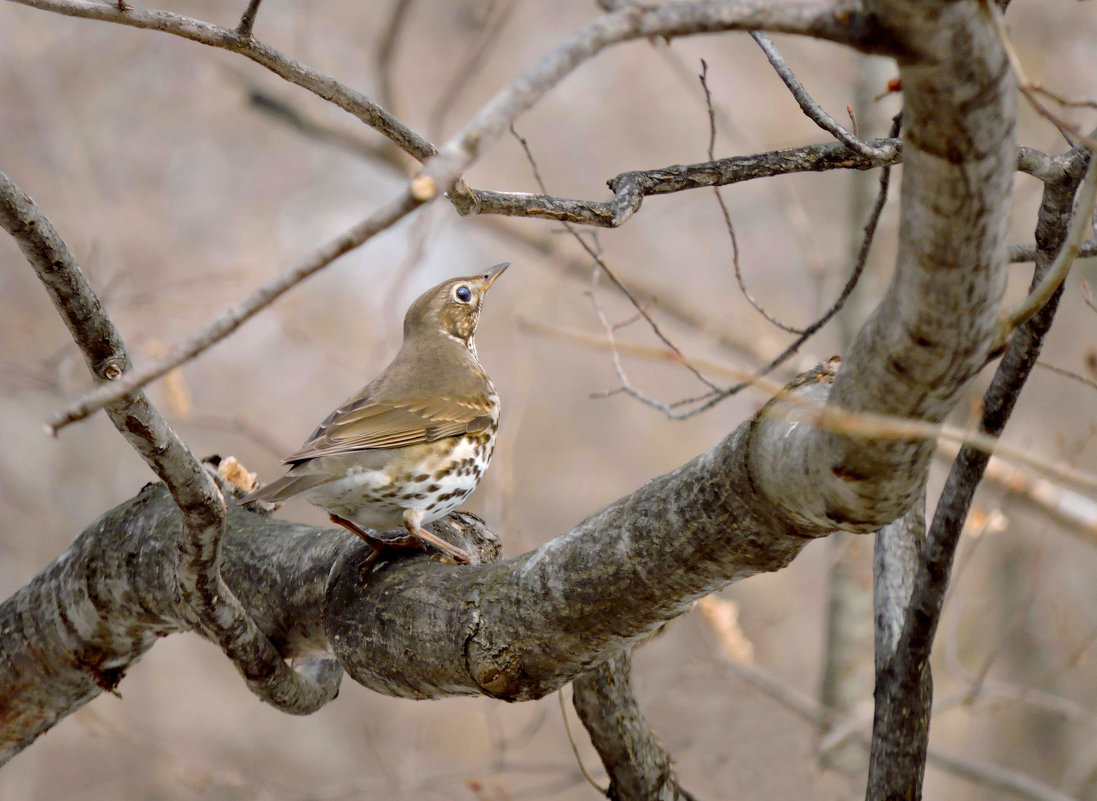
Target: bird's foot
[450,553]
[417,538]
[412,522]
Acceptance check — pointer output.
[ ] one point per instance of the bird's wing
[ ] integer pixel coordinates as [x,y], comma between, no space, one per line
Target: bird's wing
[365,424]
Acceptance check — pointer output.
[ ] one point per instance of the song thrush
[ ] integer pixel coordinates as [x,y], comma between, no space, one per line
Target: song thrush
[413,443]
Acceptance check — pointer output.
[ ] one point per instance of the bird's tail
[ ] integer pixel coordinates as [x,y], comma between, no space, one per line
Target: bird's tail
[286,487]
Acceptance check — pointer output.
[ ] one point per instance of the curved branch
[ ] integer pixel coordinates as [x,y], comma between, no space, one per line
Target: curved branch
[237,41]
[913,358]
[630,188]
[203,599]
[77,627]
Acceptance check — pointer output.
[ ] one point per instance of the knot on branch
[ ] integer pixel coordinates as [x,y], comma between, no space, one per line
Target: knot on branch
[112,368]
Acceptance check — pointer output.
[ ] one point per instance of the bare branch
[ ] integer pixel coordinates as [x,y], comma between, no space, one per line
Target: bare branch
[328,88]
[811,109]
[638,766]
[634,22]
[1054,276]
[386,54]
[631,187]
[727,215]
[205,600]
[903,692]
[1030,91]
[1022,253]
[605,268]
[247,21]
[847,290]
[237,315]
[831,419]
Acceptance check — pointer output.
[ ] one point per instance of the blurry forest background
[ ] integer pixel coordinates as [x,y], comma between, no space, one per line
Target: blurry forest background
[179,193]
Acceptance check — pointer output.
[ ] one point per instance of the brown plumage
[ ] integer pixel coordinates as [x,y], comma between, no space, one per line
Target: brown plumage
[412,444]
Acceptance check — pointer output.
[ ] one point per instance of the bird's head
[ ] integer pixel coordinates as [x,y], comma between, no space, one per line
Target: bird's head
[452,308]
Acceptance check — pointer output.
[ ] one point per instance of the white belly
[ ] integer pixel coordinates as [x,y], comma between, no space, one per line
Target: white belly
[371,498]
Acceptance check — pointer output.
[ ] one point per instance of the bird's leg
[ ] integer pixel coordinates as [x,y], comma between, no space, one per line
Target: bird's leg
[413,519]
[376,543]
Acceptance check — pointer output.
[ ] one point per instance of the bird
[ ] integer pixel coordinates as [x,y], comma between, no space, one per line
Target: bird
[412,444]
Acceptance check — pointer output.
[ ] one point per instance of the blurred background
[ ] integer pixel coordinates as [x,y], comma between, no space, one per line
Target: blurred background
[180,194]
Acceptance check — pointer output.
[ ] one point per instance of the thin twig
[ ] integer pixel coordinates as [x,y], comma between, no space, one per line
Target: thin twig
[1061,100]
[1051,368]
[701,403]
[847,290]
[982,773]
[727,215]
[716,394]
[619,368]
[247,21]
[386,54]
[641,310]
[603,791]
[237,315]
[811,109]
[864,424]
[1030,90]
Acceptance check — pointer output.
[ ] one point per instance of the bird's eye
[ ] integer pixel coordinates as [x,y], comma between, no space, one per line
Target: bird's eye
[463,294]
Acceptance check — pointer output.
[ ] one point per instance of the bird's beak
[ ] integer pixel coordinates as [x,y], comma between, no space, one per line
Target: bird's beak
[493,273]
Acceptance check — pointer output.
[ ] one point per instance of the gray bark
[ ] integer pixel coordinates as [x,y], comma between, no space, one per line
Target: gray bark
[638,767]
[521,628]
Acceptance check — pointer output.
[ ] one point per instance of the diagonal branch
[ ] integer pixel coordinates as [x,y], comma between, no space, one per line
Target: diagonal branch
[205,601]
[635,22]
[638,766]
[350,100]
[811,109]
[239,314]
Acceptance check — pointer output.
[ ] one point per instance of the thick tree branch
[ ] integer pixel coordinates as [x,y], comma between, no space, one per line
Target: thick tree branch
[904,685]
[203,599]
[78,626]
[911,359]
